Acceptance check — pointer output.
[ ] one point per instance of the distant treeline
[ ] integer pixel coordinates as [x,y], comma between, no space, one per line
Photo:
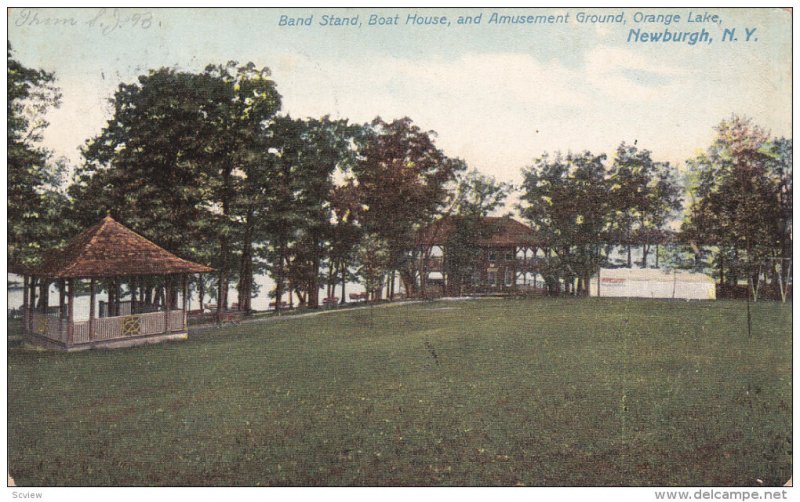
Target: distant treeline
[205,165]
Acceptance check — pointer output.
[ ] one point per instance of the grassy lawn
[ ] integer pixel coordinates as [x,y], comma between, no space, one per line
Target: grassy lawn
[490,392]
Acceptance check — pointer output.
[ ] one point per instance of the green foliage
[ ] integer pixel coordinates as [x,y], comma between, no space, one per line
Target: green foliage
[168,163]
[404,180]
[645,195]
[464,256]
[303,155]
[35,200]
[479,195]
[742,200]
[566,200]
[373,258]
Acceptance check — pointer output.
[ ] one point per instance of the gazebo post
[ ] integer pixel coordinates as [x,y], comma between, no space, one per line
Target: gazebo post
[61,287]
[44,295]
[166,304]
[184,291]
[91,308]
[117,295]
[33,298]
[133,294]
[514,268]
[70,313]
[201,292]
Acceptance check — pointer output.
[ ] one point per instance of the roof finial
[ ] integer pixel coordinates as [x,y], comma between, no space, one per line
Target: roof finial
[108,215]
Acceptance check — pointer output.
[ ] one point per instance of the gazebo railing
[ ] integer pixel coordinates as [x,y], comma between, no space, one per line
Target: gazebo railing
[109,328]
[48,326]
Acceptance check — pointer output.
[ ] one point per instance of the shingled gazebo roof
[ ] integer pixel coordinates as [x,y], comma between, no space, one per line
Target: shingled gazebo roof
[109,249]
[502,232]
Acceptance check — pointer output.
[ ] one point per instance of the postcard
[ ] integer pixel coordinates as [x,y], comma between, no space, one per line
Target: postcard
[400,247]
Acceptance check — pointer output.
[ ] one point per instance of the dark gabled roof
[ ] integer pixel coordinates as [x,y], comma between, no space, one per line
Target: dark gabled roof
[499,232]
[110,249]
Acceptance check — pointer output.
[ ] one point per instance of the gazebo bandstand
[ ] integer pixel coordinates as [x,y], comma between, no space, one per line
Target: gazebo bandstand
[112,253]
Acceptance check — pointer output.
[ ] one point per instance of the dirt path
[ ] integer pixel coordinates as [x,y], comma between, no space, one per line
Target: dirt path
[206,328]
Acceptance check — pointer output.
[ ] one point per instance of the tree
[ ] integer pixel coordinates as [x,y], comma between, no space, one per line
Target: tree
[476,196]
[780,172]
[345,234]
[305,155]
[248,102]
[374,258]
[645,194]
[565,199]
[166,164]
[35,201]
[404,181]
[479,195]
[740,200]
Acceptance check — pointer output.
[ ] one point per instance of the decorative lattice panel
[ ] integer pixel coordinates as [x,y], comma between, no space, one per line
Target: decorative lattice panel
[130,325]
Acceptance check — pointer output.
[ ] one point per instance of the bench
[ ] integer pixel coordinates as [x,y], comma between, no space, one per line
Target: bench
[358,296]
[230,316]
[273,305]
[331,301]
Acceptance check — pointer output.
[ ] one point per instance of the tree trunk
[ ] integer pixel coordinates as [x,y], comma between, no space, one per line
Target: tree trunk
[331,279]
[409,283]
[222,295]
[656,255]
[343,267]
[245,286]
[222,287]
[313,285]
[280,274]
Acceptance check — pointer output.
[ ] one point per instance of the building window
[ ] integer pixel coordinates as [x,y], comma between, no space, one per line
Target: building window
[492,255]
[509,255]
[509,277]
[491,278]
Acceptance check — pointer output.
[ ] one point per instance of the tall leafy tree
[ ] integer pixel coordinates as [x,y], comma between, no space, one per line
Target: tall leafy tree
[167,162]
[566,200]
[345,234]
[305,155]
[35,200]
[646,194]
[148,165]
[373,257]
[739,203]
[404,181]
[780,172]
[246,108]
[479,195]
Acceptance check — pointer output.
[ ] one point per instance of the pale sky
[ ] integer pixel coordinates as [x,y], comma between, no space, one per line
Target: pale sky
[497,95]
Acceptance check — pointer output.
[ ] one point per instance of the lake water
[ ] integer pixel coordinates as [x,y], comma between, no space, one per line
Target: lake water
[81,311]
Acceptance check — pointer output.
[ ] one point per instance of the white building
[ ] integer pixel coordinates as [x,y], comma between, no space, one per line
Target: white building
[652,283]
